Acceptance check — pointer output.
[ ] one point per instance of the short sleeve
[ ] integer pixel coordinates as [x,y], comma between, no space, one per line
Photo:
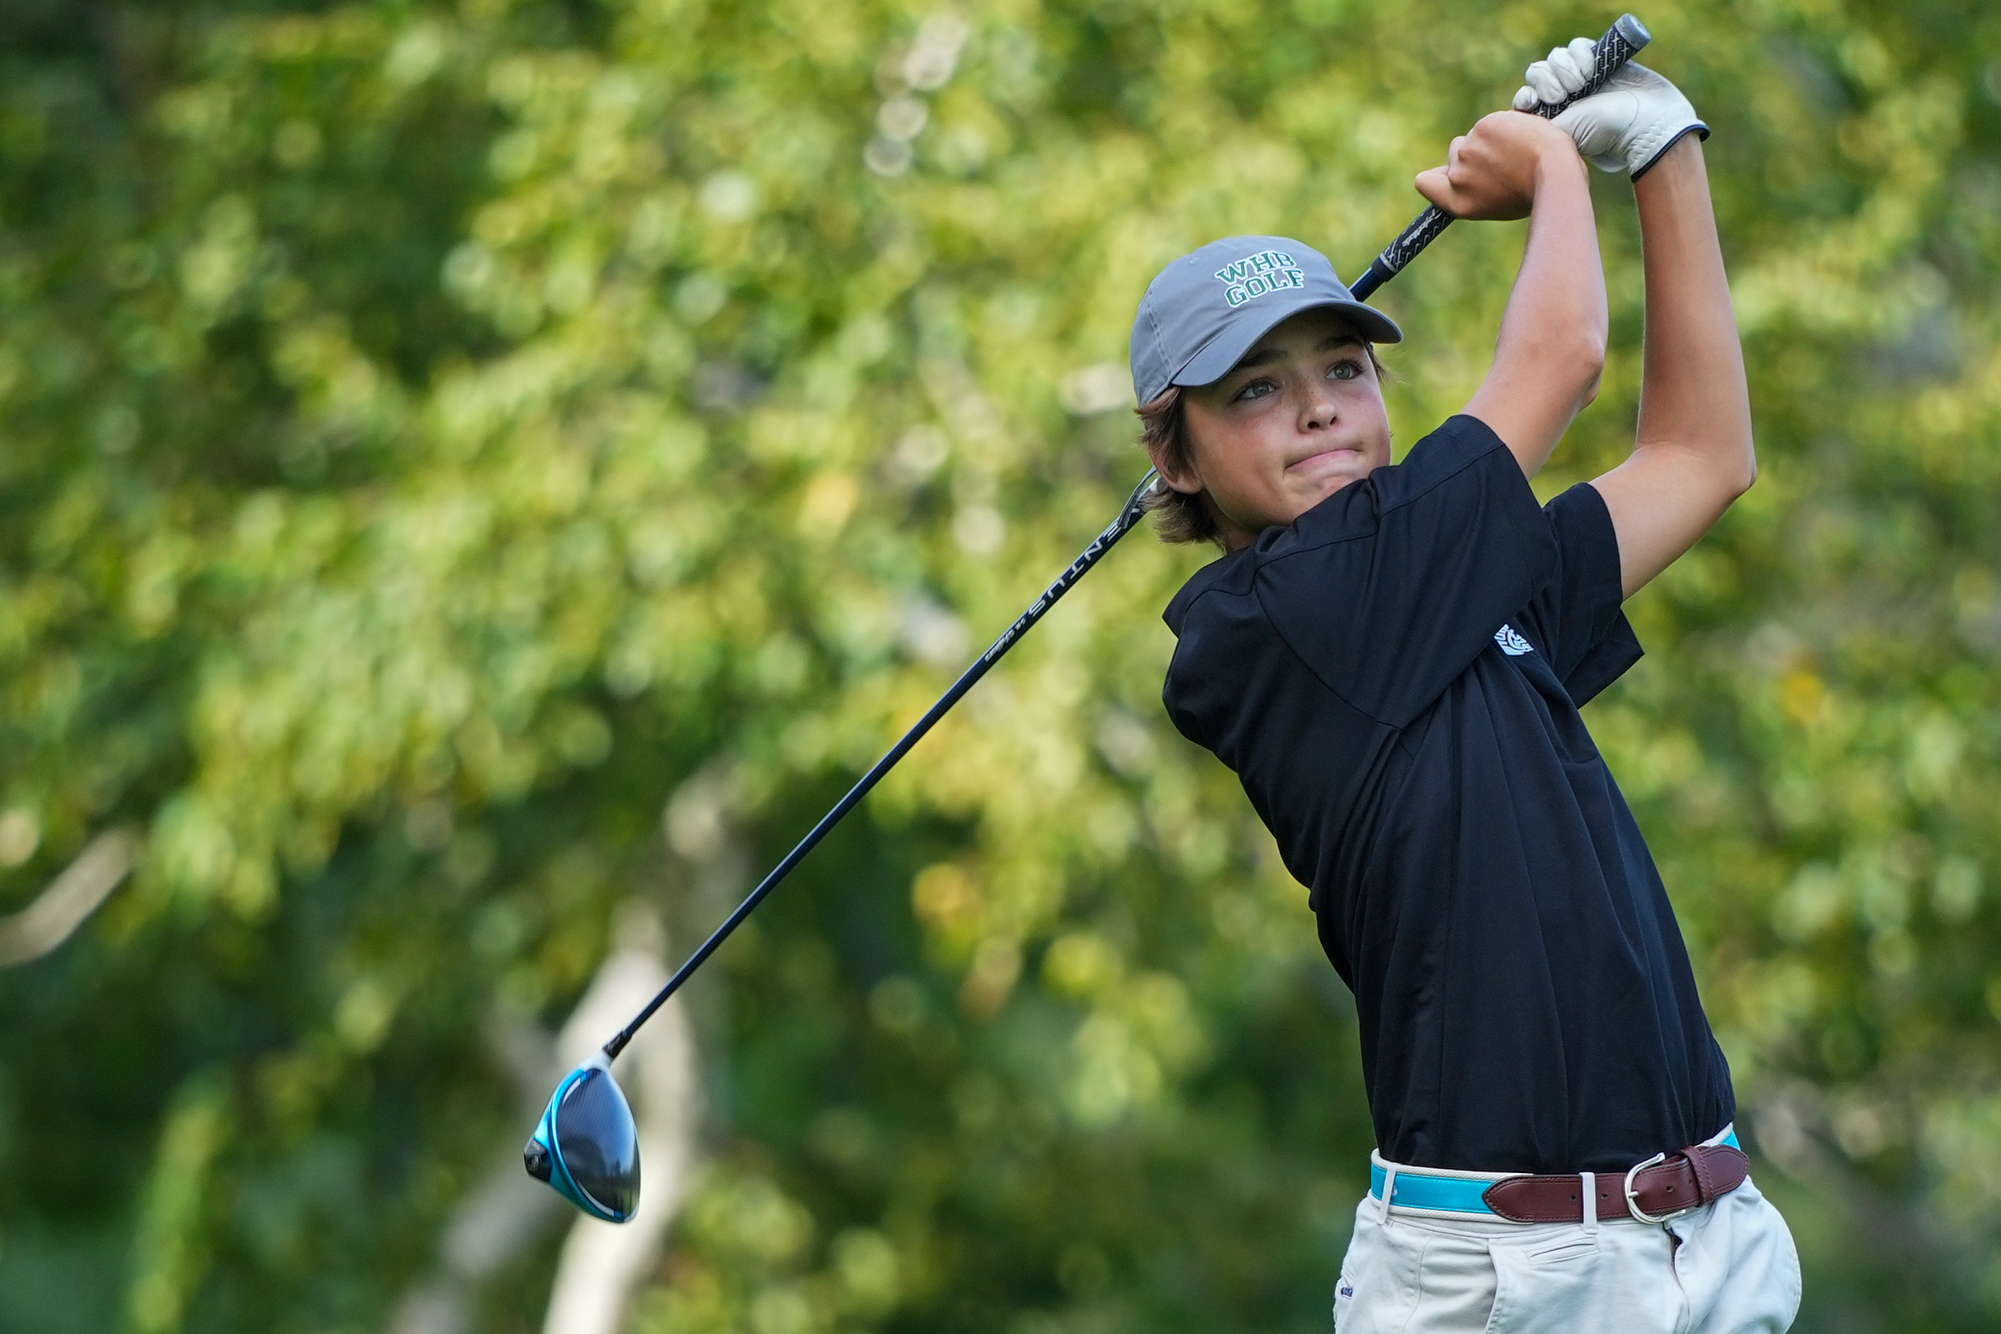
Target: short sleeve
[1577,616]
[1391,587]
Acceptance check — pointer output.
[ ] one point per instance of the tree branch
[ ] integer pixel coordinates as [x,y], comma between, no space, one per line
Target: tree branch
[70,898]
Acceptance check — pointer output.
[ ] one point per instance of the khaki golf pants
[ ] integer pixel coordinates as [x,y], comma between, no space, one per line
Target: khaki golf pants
[1727,1268]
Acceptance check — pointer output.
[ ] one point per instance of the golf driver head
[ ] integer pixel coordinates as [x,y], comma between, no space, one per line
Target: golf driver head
[587,1146]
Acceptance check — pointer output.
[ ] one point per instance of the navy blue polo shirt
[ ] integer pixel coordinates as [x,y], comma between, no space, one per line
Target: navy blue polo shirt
[1396,679]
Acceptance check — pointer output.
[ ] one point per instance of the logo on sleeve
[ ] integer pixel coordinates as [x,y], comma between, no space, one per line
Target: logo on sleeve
[1254,275]
[1511,643]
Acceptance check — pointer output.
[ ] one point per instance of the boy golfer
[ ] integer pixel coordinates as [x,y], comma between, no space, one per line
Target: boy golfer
[1392,660]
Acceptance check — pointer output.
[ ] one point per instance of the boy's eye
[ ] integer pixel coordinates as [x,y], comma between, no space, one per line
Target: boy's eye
[1345,370]
[1256,389]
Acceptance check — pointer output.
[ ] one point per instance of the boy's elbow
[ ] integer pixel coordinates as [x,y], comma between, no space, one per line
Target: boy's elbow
[1589,395]
[1563,367]
[1732,472]
[1587,364]
[1742,472]
[1747,476]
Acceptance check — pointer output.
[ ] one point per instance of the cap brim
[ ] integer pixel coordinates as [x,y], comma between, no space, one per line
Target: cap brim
[1214,361]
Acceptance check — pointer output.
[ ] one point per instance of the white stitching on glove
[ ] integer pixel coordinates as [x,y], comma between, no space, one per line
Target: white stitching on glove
[1625,127]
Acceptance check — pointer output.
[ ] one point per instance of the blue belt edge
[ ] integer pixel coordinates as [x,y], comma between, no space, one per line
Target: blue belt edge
[1416,1190]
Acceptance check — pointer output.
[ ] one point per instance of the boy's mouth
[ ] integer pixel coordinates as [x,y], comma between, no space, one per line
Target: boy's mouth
[1324,456]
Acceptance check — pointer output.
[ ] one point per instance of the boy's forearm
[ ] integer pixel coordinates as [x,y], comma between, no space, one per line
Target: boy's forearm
[1693,397]
[1552,341]
[1693,454]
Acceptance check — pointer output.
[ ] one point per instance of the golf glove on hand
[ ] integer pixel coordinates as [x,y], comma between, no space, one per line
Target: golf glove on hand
[1627,125]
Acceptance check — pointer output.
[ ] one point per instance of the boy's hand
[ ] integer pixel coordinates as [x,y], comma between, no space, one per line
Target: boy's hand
[1637,117]
[1493,172]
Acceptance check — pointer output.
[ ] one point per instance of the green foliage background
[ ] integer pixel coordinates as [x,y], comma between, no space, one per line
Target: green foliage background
[464,467]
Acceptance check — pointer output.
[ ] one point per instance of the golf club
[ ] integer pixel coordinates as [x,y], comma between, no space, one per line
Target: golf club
[1621,42]
[586,1145]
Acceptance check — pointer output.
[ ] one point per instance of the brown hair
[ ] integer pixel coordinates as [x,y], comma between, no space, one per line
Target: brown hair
[1163,433]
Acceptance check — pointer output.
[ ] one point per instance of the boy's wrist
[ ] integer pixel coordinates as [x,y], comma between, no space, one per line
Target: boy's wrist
[1560,164]
[1679,160]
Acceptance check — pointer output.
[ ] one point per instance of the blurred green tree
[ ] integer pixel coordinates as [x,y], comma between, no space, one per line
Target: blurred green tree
[468,467]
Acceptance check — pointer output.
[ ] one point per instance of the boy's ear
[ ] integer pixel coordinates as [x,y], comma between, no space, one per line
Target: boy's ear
[1177,479]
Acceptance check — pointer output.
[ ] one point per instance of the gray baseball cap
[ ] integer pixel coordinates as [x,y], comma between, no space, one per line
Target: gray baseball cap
[1207,309]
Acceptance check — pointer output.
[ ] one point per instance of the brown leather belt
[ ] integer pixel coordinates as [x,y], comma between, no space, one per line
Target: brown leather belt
[1651,1192]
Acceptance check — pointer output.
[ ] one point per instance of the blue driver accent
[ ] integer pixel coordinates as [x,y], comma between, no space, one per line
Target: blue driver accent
[587,1146]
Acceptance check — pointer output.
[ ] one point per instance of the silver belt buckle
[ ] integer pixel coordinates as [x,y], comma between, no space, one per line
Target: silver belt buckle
[1633,1197]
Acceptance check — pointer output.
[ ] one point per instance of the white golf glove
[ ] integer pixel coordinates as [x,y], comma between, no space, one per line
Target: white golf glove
[1627,125]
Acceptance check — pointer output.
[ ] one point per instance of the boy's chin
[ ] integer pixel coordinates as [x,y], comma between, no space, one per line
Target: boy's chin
[1300,499]
[1329,479]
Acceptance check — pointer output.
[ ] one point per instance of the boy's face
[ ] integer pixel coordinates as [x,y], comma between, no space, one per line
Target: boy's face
[1297,419]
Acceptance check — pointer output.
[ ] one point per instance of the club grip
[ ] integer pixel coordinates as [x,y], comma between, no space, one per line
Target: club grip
[1402,250]
[1621,42]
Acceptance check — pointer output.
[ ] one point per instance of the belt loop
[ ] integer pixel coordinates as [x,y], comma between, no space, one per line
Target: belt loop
[1590,1181]
[1389,1188]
